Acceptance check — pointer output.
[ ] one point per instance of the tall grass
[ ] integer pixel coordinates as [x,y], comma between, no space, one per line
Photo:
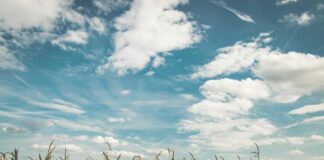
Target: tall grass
[106,155]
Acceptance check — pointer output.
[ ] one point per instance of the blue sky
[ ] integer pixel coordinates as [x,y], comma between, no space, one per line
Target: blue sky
[207,77]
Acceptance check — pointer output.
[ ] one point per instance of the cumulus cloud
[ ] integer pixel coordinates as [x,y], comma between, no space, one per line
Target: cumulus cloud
[107,139]
[107,6]
[77,37]
[317,138]
[233,59]
[156,23]
[149,73]
[276,68]
[228,89]
[227,135]
[279,71]
[74,17]
[158,61]
[296,140]
[128,154]
[19,14]
[98,25]
[220,119]
[239,14]
[71,147]
[302,20]
[308,109]
[34,21]
[221,110]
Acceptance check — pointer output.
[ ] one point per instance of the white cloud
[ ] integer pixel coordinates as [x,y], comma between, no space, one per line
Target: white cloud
[317,158]
[239,14]
[220,119]
[125,92]
[69,147]
[317,138]
[99,139]
[73,125]
[296,140]
[312,119]
[81,138]
[74,17]
[152,22]
[303,20]
[296,152]
[77,37]
[150,73]
[228,89]
[10,128]
[307,121]
[19,14]
[221,110]
[117,120]
[158,61]
[9,61]
[40,146]
[107,6]
[61,137]
[320,6]
[276,68]
[285,2]
[308,109]
[128,154]
[235,58]
[60,105]
[270,141]
[98,25]
[227,135]
[279,72]
[187,96]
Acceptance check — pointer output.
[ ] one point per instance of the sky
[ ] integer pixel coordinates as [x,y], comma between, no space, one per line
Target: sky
[209,77]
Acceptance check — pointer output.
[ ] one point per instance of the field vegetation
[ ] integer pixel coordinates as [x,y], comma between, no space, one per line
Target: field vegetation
[107,156]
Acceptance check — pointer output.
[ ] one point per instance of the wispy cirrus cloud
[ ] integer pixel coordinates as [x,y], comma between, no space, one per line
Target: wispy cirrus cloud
[60,105]
[285,2]
[308,109]
[307,121]
[239,14]
[296,152]
[9,61]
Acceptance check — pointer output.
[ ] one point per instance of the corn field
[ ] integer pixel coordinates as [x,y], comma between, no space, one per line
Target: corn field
[106,155]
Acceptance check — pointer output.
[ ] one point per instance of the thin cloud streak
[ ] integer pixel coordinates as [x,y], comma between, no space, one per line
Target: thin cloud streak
[239,14]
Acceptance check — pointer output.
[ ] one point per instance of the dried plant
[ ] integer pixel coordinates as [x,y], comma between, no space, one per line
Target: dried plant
[106,155]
